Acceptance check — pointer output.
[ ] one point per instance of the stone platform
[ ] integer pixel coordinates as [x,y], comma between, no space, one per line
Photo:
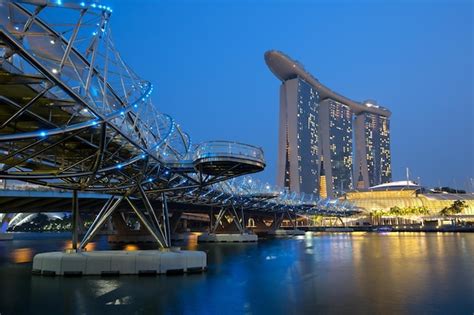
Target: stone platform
[116,262]
[227,238]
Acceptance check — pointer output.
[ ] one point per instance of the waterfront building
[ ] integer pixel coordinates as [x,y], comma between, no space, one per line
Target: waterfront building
[402,195]
[317,122]
[372,137]
[336,137]
[298,160]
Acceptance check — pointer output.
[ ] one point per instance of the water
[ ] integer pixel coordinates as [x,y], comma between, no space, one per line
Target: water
[393,273]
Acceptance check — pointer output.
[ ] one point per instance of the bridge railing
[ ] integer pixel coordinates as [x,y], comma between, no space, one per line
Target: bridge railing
[229,149]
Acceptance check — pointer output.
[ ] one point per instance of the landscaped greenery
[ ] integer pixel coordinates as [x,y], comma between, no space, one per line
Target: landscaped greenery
[457,207]
[401,212]
[397,213]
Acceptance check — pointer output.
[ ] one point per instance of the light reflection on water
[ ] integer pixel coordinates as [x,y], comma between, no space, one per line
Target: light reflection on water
[22,255]
[327,273]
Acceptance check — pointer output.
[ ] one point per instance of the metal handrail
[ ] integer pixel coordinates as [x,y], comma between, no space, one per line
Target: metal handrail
[228,149]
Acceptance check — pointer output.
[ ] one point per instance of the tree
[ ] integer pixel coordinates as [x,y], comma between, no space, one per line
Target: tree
[457,207]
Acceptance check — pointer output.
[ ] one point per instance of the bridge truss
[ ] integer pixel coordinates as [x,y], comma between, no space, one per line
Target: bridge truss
[75,116]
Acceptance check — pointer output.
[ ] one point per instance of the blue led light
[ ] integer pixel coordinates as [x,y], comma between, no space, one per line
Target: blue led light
[94,33]
[119,166]
[142,156]
[93,5]
[150,180]
[122,113]
[59,2]
[82,4]
[42,133]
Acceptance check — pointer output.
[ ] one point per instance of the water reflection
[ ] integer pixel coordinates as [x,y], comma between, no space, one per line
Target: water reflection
[22,255]
[328,273]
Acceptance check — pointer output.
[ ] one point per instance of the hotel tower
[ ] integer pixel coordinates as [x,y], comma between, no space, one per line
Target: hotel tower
[317,124]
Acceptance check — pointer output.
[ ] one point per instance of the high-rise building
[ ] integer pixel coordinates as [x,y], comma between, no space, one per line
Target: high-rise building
[317,122]
[372,158]
[336,138]
[298,160]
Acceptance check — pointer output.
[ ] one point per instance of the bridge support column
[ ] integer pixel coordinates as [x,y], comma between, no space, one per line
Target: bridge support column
[220,222]
[285,232]
[166,219]
[160,231]
[104,213]
[75,219]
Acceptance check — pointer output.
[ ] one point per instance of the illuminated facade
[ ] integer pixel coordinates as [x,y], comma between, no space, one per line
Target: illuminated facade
[336,138]
[384,199]
[372,158]
[298,160]
[317,122]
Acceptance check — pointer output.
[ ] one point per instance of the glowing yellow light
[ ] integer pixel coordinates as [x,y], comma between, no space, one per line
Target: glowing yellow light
[130,247]
[89,247]
[22,255]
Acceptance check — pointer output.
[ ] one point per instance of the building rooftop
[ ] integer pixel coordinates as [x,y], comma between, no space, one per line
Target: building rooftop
[285,68]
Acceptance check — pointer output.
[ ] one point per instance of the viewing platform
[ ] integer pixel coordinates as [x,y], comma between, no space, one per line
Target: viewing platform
[225,158]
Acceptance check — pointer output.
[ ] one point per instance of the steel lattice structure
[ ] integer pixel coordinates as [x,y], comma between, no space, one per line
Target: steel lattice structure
[75,116]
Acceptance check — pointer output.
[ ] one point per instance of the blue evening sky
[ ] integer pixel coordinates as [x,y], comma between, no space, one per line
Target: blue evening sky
[205,59]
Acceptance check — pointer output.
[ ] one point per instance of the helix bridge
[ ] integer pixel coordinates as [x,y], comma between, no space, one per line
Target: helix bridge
[75,116]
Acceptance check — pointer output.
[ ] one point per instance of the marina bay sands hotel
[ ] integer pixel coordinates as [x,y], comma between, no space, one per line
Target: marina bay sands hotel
[328,144]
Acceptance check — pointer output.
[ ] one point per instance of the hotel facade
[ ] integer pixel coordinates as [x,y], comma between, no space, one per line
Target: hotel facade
[323,132]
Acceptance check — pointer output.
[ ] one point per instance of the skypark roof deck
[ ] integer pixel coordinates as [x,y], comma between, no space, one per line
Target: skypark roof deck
[285,68]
